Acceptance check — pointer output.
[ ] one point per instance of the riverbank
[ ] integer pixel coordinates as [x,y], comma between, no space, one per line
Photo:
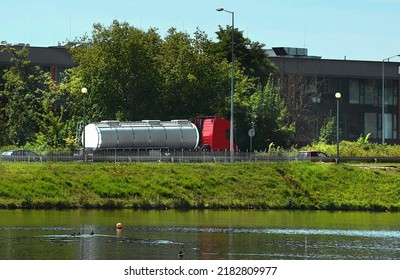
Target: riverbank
[291,185]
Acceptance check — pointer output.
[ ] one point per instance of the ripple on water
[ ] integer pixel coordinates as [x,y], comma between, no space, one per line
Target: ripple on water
[284,231]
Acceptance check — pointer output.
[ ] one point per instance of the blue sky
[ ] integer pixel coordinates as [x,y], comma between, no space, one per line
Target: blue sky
[333,29]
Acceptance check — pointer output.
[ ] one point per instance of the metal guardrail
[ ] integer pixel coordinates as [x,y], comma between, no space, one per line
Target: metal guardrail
[144,156]
[181,156]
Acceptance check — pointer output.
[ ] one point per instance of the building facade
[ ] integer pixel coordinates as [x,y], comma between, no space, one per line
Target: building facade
[361,84]
[54,60]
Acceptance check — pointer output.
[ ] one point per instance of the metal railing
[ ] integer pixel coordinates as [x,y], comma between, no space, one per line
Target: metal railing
[114,155]
[177,156]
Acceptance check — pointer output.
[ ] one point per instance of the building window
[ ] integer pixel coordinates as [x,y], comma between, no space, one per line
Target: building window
[391,126]
[371,124]
[370,92]
[391,93]
[354,92]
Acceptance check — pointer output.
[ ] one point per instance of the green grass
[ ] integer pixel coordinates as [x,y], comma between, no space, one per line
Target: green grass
[294,185]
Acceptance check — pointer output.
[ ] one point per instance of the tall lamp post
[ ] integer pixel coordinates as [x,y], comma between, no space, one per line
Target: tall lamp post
[337,96]
[231,148]
[383,96]
[84,92]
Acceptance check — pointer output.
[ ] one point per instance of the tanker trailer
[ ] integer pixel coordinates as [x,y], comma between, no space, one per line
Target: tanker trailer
[145,134]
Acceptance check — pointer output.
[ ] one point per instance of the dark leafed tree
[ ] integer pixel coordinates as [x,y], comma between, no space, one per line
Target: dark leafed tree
[25,88]
[328,131]
[118,65]
[251,55]
[194,81]
[301,94]
[270,118]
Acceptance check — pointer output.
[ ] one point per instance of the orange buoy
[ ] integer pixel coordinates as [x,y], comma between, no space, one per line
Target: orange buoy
[119,226]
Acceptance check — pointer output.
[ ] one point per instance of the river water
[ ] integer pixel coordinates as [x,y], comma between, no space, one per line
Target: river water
[206,234]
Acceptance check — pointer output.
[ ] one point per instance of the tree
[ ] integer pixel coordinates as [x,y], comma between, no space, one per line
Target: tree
[118,65]
[52,124]
[328,131]
[193,79]
[252,74]
[133,75]
[300,94]
[3,121]
[25,88]
[33,109]
[70,110]
[251,55]
[270,118]
[245,88]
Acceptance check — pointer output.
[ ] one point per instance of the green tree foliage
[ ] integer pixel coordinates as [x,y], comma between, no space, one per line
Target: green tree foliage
[251,55]
[194,81]
[327,133]
[119,67]
[270,118]
[252,73]
[133,75]
[51,123]
[3,125]
[245,88]
[25,89]
[33,109]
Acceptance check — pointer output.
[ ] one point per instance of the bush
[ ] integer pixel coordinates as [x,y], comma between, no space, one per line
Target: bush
[361,148]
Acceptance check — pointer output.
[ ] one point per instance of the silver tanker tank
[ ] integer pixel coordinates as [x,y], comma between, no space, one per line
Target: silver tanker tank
[146,134]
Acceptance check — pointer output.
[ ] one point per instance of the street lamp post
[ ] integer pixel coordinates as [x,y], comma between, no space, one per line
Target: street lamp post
[337,96]
[383,96]
[231,148]
[84,92]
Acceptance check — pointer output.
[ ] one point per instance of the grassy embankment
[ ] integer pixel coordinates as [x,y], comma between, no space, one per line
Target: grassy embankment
[294,185]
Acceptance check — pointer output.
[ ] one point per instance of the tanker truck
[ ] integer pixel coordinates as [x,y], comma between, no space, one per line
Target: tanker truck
[207,133]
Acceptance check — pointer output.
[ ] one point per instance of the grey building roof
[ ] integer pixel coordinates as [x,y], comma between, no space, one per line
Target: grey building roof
[309,66]
[44,56]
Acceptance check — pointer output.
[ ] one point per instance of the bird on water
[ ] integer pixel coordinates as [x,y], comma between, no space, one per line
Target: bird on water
[180,255]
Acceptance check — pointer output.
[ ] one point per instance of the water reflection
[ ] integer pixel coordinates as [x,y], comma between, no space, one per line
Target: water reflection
[198,235]
[286,231]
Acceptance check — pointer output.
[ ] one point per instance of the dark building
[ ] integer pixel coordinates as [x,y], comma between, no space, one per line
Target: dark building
[360,85]
[54,60]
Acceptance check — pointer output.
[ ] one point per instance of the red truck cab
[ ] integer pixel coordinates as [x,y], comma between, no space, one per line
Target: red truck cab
[214,133]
